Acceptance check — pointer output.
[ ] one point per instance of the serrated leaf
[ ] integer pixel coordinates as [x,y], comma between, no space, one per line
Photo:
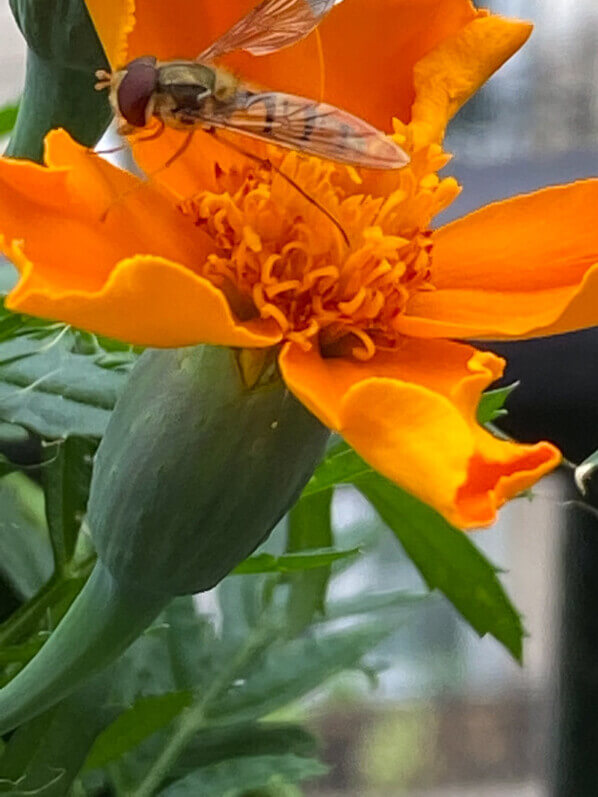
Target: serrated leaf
[292,562]
[296,668]
[144,718]
[492,403]
[448,561]
[53,391]
[340,465]
[238,776]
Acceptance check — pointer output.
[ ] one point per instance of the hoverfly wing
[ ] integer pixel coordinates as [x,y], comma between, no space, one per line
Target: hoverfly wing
[314,128]
[270,26]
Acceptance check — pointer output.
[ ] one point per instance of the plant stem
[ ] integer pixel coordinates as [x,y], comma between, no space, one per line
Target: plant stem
[194,717]
[27,616]
[62,587]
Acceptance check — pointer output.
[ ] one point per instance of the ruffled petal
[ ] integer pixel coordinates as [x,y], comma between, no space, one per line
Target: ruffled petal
[524,267]
[411,415]
[145,300]
[453,71]
[80,215]
[370,47]
[108,272]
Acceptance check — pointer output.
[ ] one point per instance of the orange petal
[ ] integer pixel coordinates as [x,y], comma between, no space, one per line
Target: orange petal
[524,267]
[113,20]
[80,215]
[448,76]
[193,170]
[370,47]
[146,300]
[108,275]
[411,415]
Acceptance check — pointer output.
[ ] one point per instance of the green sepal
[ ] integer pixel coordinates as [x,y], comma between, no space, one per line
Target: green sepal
[63,54]
[195,469]
[102,622]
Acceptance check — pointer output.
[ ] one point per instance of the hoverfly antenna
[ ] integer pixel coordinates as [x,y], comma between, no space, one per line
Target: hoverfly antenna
[289,180]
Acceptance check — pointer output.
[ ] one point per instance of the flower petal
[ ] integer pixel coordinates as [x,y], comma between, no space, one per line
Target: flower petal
[524,267]
[146,300]
[113,20]
[108,274]
[448,75]
[80,215]
[370,47]
[194,169]
[411,415]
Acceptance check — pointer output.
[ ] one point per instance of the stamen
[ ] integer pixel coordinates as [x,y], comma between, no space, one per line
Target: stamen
[276,263]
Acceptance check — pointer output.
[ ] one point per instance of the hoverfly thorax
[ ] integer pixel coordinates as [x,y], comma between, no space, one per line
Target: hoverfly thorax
[185,88]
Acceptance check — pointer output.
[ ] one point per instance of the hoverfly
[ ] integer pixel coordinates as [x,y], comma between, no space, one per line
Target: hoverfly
[191,95]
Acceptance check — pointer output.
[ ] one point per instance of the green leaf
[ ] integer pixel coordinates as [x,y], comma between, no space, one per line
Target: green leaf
[296,668]
[145,717]
[292,562]
[249,739]
[8,117]
[44,756]
[6,466]
[25,553]
[189,641]
[309,528]
[492,403]
[340,466]
[54,391]
[366,602]
[448,561]
[238,776]
[66,480]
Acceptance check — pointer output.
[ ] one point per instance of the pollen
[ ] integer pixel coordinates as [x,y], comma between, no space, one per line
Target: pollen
[279,254]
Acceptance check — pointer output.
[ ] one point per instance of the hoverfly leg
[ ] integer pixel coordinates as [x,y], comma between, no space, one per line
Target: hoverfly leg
[269,165]
[156,134]
[110,151]
[178,152]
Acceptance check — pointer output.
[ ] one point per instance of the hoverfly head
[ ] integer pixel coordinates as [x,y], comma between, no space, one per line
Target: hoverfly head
[132,90]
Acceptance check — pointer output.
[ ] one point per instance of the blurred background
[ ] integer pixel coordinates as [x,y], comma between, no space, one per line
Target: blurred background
[452,715]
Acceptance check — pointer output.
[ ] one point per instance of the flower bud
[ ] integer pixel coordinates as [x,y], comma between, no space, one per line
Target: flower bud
[63,54]
[194,471]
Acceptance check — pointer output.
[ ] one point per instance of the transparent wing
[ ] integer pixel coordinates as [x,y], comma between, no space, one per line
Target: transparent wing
[270,26]
[315,128]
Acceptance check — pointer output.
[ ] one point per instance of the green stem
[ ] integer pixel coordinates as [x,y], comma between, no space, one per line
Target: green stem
[103,621]
[194,717]
[27,615]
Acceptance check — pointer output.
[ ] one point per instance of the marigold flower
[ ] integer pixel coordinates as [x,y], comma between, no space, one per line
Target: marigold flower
[217,249]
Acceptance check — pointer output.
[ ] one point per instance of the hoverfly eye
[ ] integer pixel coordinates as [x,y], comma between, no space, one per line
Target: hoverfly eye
[136,88]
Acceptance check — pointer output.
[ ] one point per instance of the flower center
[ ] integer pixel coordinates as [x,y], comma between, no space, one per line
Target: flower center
[279,256]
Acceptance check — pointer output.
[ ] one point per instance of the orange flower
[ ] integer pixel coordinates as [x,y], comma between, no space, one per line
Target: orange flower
[216,249]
